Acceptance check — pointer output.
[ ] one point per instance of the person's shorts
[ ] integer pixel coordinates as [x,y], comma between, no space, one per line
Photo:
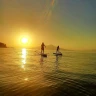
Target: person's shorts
[42,48]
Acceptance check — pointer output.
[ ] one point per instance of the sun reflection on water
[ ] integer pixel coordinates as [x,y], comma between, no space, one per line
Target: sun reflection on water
[23,58]
[26,79]
[24,61]
[24,54]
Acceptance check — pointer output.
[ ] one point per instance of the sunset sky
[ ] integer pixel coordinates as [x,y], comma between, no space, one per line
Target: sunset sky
[68,23]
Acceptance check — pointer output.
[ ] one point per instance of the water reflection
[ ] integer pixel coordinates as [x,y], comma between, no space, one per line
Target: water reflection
[23,58]
[57,63]
[26,79]
[41,62]
[24,54]
[24,61]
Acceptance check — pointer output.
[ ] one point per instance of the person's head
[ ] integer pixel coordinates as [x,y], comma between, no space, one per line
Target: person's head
[42,42]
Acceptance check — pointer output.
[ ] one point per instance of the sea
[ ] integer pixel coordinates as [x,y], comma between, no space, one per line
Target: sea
[24,72]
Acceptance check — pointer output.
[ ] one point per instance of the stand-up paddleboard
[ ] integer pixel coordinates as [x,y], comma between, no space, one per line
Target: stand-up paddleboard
[57,54]
[43,55]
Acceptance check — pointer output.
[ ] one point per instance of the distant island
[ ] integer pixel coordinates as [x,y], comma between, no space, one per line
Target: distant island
[2,45]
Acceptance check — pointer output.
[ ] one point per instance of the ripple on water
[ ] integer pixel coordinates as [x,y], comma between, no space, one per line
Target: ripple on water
[26,74]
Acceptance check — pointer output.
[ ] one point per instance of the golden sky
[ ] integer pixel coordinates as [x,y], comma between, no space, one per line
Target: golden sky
[57,22]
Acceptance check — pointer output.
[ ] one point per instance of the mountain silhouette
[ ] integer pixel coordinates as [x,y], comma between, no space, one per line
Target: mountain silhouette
[2,45]
[50,47]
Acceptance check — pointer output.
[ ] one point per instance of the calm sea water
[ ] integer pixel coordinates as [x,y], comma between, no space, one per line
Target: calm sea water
[23,72]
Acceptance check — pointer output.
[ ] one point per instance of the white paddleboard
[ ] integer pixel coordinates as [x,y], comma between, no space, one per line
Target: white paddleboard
[57,54]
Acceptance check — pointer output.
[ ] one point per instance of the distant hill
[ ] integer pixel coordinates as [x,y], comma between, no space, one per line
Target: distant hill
[50,47]
[2,45]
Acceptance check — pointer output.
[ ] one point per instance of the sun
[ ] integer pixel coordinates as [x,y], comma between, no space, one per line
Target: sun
[24,40]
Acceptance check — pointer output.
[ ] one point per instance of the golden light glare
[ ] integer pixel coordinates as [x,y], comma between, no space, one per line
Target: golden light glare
[26,79]
[24,40]
[24,58]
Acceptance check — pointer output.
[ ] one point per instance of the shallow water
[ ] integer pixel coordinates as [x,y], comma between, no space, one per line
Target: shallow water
[23,72]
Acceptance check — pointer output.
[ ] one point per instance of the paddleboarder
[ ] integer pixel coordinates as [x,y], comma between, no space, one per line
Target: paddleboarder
[42,48]
[57,50]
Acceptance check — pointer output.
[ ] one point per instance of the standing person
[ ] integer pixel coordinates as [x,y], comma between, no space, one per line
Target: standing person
[57,49]
[42,47]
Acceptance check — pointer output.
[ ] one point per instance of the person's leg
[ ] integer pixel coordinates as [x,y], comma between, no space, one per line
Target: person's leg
[43,51]
[57,51]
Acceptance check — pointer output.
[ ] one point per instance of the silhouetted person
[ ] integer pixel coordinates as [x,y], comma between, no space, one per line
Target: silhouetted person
[57,49]
[42,48]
